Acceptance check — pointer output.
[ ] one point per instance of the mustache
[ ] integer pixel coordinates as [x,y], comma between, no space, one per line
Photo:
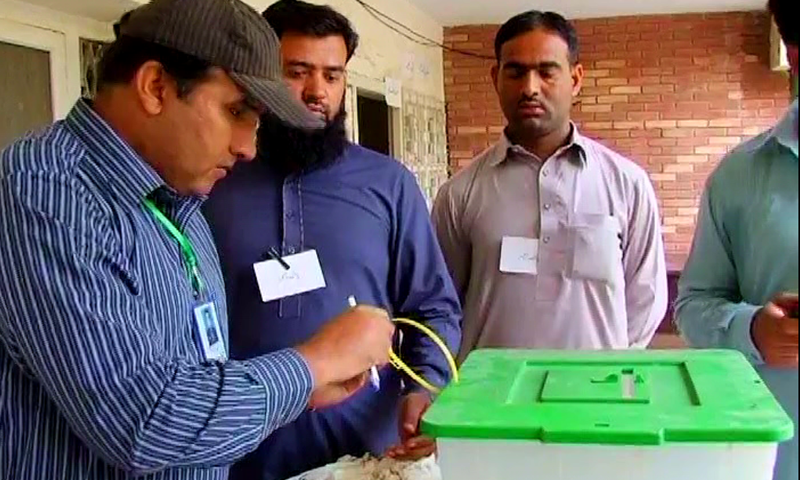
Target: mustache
[531,101]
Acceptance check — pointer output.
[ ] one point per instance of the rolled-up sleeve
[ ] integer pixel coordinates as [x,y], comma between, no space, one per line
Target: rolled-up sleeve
[73,324]
[421,286]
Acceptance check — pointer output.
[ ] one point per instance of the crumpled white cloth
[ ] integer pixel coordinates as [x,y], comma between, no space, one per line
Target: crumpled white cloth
[370,468]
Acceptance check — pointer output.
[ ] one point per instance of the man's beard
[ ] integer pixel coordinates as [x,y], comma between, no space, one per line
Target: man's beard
[293,150]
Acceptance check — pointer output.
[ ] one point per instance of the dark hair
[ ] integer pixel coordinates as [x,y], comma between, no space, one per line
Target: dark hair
[783,13]
[121,59]
[296,16]
[533,20]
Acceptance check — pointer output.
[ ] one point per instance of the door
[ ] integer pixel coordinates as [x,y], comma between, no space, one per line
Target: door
[32,79]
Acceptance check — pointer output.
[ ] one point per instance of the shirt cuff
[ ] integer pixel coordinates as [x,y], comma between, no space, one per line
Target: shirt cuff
[411,386]
[740,335]
[288,384]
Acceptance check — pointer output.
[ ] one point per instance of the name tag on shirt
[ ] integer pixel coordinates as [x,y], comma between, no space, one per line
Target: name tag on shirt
[210,334]
[519,255]
[276,282]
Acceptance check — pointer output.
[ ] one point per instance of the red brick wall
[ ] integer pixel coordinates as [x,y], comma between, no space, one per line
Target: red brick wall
[673,92]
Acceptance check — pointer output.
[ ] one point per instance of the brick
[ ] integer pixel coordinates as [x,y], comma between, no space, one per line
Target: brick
[645,98]
[471,130]
[628,125]
[595,108]
[649,80]
[677,133]
[679,221]
[693,106]
[652,133]
[612,81]
[628,107]
[675,61]
[613,134]
[692,123]
[679,168]
[709,132]
[658,71]
[725,122]
[662,124]
[611,64]
[688,212]
[680,203]
[658,88]
[660,106]
[662,142]
[643,116]
[711,150]
[692,159]
[598,125]
[758,104]
[607,99]
[594,91]
[724,140]
[626,90]
[595,73]
[677,115]
[663,177]
[692,142]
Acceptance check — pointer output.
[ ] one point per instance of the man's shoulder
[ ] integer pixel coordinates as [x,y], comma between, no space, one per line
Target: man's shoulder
[384,168]
[739,162]
[614,161]
[41,171]
[53,150]
[461,182]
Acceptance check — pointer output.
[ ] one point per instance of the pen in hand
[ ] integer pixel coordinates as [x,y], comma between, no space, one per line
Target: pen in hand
[375,379]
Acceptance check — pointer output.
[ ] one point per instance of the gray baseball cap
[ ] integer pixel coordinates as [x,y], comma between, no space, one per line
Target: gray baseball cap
[230,35]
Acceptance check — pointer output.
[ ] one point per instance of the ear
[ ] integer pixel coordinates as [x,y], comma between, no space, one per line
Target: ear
[495,71]
[577,79]
[151,84]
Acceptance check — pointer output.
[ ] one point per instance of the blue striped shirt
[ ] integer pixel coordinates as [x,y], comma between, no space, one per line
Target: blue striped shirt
[100,375]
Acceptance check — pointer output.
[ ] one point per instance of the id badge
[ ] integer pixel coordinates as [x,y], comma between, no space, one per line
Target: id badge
[304,274]
[519,255]
[209,333]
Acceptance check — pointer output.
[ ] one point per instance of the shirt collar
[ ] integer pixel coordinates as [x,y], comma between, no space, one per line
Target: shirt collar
[112,160]
[784,133]
[506,149]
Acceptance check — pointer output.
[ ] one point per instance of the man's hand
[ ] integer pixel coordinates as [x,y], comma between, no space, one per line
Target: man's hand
[775,331]
[413,446]
[336,393]
[344,350]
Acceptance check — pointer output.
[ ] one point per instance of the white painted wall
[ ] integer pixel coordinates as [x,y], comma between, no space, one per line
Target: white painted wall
[58,33]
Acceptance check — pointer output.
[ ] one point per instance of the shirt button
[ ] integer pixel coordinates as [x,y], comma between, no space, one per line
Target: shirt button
[291,250]
[546,240]
[545,172]
[547,206]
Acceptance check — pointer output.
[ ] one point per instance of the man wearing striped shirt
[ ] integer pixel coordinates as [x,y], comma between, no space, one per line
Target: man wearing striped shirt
[113,325]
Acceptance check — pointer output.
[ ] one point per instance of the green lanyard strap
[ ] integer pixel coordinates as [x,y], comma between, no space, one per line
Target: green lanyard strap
[187,250]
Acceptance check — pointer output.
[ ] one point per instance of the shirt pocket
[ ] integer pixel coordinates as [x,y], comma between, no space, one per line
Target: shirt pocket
[596,248]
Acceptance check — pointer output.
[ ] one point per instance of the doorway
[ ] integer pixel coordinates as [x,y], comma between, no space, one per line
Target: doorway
[374,124]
